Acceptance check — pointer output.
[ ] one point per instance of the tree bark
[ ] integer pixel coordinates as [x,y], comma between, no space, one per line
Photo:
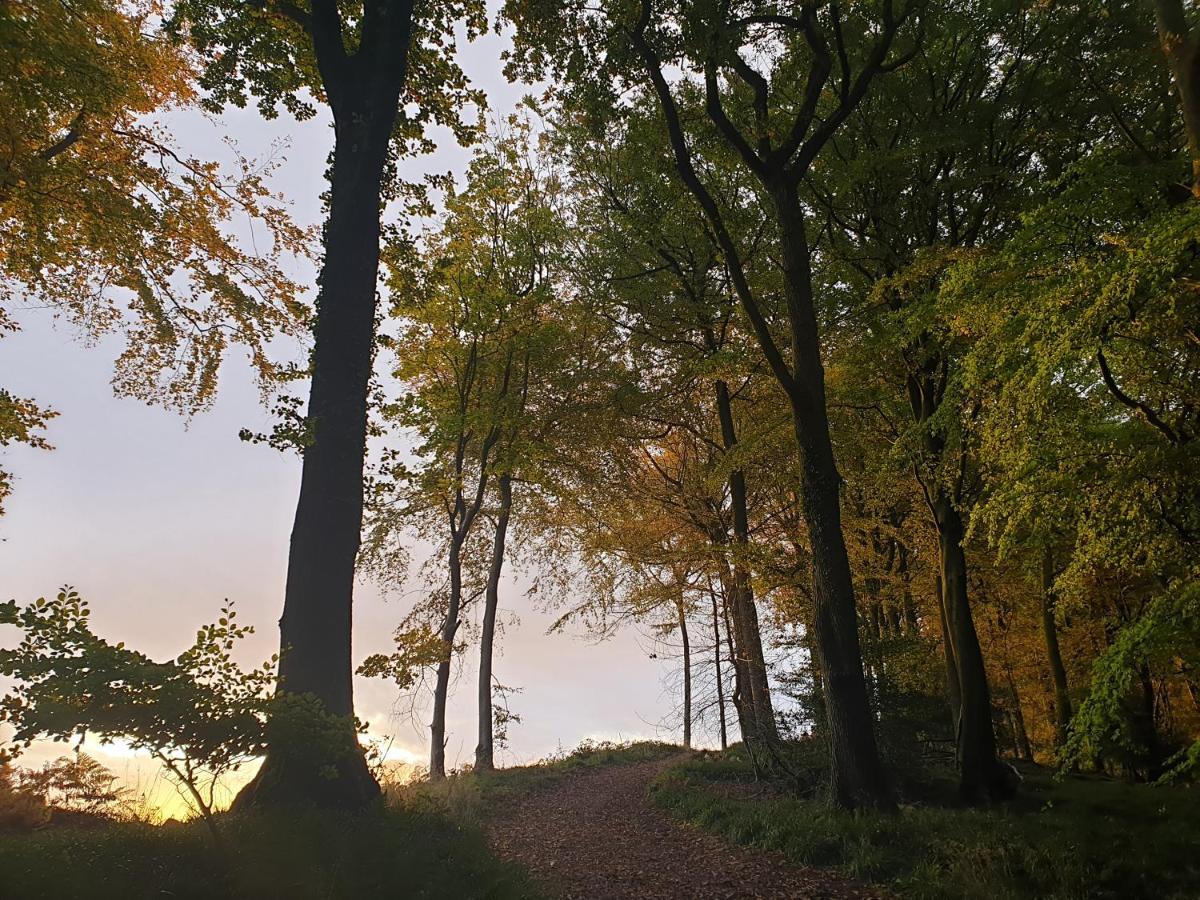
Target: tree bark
[315,629]
[720,676]
[484,751]
[760,724]
[953,691]
[982,778]
[687,673]
[1062,694]
[1181,45]
[1020,733]
[912,625]
[857,773]
[441,690]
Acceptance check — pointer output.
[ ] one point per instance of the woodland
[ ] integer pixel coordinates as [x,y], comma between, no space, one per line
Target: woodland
[851,348]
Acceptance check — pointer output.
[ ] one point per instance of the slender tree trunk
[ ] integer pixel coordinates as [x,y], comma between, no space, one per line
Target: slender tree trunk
[484,752]
[1024,748]
[315,629]
[441,690]
[1062,695]
[1181,45]
[982,777]
[720,676]
[687,673]
[742,703]
[912,626]
[748,635]
[733,661]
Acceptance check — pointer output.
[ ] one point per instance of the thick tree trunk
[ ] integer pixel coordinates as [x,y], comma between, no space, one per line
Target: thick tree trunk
[953,691]
[687,673]
[441,690]
[720,676]
[1181,45]
[761,723]
[856,771]
[315,629]
[982,777]
[1062,694]
[484,752]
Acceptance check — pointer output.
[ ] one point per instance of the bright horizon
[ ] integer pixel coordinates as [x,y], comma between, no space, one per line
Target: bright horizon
[156,520]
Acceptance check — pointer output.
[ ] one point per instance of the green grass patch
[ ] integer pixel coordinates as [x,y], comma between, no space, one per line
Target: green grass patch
[1075,838]
[298,855]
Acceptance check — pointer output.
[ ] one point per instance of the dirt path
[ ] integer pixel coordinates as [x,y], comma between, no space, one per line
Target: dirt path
[596,836]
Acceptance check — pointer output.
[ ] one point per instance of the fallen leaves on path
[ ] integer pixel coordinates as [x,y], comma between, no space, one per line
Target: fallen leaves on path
[595,835]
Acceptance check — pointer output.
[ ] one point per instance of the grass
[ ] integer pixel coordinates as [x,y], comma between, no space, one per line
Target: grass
[1080,837]
[404,853]
[467,796]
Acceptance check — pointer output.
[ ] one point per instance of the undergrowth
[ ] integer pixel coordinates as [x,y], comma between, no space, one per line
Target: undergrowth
[1080,837]
[297,856]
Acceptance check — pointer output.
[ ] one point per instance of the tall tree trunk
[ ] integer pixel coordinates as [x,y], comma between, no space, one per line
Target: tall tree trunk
[748,636]
[441,690]
[982,777]
[687,673]
[856,771]
[857,774]
[720,676]
[484,752]
[1062,695]
[315,629]
[1181,45]
[953,690]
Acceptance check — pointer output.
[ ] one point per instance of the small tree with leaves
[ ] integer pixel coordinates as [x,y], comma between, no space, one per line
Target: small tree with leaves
[200,715]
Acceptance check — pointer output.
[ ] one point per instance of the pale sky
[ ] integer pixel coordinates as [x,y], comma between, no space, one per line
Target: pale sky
[157,520]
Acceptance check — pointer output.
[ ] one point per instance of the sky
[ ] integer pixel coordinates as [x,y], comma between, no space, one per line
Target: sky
[157,520]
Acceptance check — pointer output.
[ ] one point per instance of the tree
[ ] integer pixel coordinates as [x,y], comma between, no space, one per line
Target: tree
[108,223]
[659,279]
[369,62]
[200,715]
[972,147]
[775,134]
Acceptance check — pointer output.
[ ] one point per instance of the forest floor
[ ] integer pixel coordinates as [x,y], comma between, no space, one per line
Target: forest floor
[594,833]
